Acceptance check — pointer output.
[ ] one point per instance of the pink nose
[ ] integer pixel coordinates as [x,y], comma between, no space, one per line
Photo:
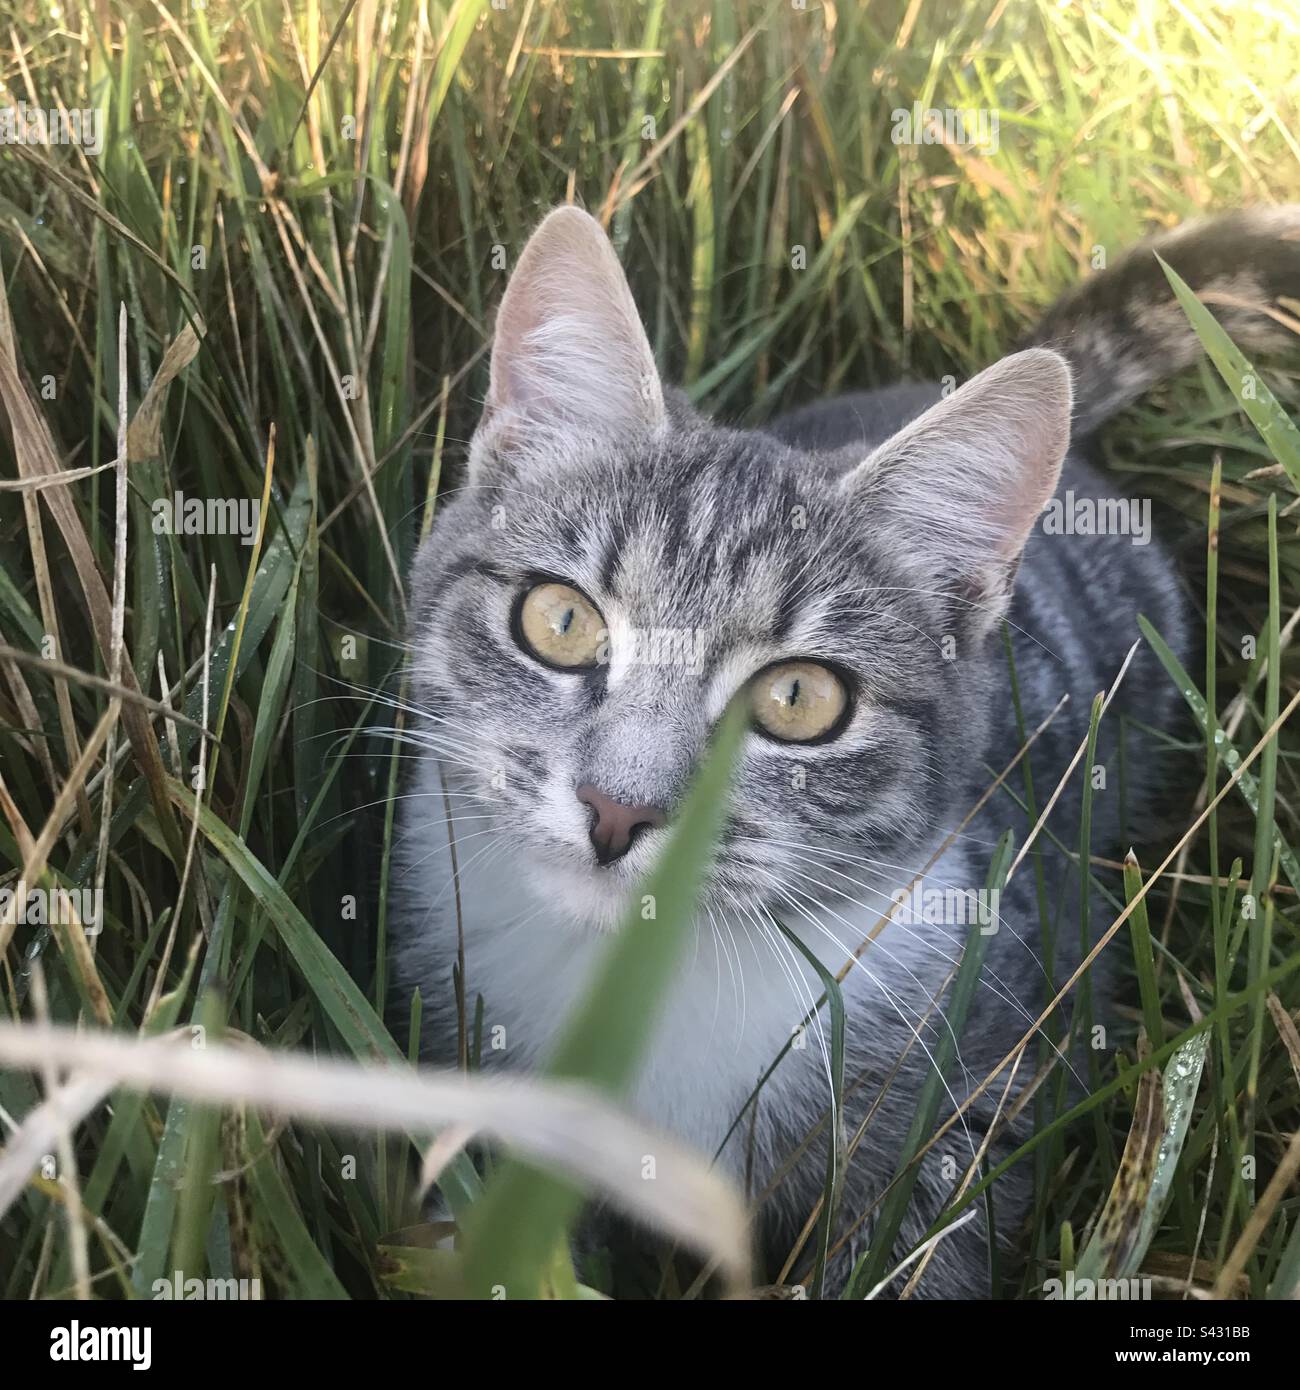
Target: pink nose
[614,826]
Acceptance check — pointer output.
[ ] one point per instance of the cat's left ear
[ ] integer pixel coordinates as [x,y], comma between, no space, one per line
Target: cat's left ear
[960,488]
[569,356]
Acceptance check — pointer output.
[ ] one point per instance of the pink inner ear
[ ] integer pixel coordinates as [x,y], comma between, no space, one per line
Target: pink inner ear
[970,476]
[570,350]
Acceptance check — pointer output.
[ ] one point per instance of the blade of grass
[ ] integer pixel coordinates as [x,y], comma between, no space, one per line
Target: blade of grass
[516,1228]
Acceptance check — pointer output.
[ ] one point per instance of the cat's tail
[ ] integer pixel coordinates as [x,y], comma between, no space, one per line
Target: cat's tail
[1122,330]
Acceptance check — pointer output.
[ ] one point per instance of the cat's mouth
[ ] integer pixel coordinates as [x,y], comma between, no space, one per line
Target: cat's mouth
[593,897]
[597,896]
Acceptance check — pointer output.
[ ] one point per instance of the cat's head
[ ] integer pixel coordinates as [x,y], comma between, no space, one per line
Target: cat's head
[616,569]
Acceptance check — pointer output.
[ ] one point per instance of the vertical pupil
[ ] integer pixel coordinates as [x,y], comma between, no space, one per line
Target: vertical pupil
[794,691]
[566,621]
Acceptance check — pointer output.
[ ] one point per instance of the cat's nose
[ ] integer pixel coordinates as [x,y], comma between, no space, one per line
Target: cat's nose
[614,827]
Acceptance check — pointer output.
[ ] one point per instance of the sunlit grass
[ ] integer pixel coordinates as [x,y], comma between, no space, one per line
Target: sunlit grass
[339,256]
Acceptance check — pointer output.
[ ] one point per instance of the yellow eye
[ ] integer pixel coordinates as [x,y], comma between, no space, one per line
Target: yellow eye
[560,627]
[798,701]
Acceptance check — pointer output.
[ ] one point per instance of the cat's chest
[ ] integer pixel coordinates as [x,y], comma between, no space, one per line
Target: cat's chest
[742,998]
[732,1008]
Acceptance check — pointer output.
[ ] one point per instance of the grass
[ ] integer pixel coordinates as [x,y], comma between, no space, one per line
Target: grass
[280,273]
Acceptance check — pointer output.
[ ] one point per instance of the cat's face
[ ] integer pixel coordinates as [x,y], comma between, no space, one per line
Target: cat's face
[614,573]
[585,627]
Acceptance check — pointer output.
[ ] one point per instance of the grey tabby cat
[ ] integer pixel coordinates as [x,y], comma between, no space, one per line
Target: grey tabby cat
[618,567]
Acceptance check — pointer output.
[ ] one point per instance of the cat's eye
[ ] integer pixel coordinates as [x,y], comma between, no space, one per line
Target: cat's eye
[560,627]
[798,701]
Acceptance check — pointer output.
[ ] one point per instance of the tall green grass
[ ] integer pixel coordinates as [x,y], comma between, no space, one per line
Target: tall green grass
[329,198]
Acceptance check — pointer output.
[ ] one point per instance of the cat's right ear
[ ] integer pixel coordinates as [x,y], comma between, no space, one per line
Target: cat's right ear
[960,489]
[570,358]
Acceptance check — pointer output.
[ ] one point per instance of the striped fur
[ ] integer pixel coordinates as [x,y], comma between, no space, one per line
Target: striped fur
[1122,331]
[882,532]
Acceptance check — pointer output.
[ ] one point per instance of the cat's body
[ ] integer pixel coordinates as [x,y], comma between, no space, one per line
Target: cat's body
[878,534]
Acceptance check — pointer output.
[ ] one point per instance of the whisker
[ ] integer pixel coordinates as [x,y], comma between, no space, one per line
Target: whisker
[914,1032]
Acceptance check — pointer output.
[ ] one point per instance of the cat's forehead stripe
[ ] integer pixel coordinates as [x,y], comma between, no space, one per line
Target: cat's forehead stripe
[690,542]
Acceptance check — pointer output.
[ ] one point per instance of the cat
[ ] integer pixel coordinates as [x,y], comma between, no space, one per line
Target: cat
[617,567]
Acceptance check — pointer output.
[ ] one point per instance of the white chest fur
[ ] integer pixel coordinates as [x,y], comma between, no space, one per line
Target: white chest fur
[741,994]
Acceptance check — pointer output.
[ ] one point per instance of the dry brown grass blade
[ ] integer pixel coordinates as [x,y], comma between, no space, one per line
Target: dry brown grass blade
[70,937]
[160,974]
[29,714]
[52,173]
[40,560]
[1253,1231]
[356,413]
[158,708]
[625,183]
[34,858]
[1286,1030]
[75,945]
[1183,1273]
[1119,1228]
[144,435]
[34,447]
[561,1125]
[214,86]
[68,475]
[119,605]
[9,809]
[38,261]
[418,120]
